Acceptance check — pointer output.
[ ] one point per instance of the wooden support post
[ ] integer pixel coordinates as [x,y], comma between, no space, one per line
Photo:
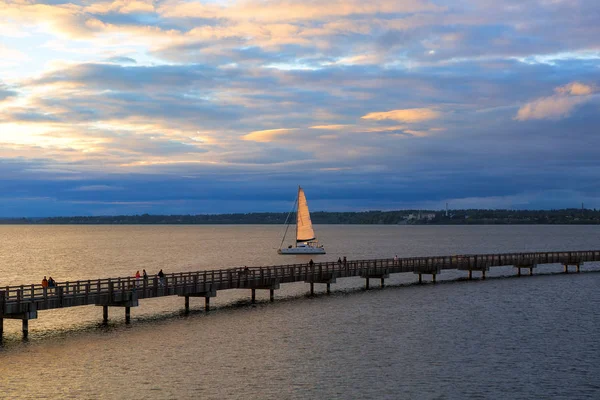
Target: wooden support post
[420,278]
[530,271]
[578,268]
[127,315]
[207,302]
[367,284]
[328,288]
[519,271]
[433,277]
[483,274]
[254,295]
[566,268]
[2,297]
[271,295]
[470,274]
[312,289]
[25,328]
[187,304]
[105,314]
[382,282]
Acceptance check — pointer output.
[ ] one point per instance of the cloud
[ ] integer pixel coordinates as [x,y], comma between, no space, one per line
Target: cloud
[6,93]
[409,115]
[268,135]
[121,60]
[94,188]
[330,127]
[559,105]
[575,89]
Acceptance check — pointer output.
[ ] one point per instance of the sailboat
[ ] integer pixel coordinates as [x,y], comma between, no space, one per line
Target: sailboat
[306,241]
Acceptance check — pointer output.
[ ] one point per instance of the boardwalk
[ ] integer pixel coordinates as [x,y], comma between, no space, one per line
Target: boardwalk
[23,302]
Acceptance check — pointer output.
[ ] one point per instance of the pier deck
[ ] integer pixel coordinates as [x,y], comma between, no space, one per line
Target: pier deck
[24,301]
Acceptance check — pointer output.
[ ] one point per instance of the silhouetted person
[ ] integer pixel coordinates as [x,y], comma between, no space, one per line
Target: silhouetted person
[161,277]
[311,263]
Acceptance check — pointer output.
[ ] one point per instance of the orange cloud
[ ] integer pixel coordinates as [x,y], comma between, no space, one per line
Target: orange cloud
[575,89]
[409,115]
[559,105]
[267,135]
[329,127]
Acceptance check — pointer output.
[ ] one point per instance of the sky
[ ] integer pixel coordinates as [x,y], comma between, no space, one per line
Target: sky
[207,107]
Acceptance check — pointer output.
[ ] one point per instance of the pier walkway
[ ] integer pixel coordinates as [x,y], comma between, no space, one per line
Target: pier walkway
[23,302]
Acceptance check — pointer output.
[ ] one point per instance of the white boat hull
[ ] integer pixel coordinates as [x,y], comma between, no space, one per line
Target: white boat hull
[302,250]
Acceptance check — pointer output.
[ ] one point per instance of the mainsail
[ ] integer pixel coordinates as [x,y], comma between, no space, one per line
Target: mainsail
[304,229]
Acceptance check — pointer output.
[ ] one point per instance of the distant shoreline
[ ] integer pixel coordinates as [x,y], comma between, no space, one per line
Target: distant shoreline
[571,216]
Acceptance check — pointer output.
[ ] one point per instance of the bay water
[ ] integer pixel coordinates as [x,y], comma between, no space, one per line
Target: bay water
[505,337]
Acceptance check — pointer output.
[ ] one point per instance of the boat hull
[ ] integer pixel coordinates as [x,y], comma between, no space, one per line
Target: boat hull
[302,250]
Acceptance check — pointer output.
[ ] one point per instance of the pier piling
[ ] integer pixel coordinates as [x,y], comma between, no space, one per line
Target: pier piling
[105,314]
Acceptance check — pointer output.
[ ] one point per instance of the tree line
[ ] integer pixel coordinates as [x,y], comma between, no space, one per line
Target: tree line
[402,217]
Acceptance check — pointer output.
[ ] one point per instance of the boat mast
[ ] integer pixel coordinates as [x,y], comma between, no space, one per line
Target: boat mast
[297,205]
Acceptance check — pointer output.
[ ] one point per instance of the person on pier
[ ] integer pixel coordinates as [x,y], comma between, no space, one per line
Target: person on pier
[51,283]
[137,278]
[145,275]
[161,277]
[45,284]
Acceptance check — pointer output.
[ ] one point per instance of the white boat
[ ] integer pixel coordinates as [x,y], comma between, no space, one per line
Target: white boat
[306,241]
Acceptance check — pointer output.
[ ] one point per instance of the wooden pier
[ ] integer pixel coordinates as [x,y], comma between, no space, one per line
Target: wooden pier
[23,302]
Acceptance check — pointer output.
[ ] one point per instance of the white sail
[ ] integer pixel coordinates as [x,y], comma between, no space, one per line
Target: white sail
[304,229]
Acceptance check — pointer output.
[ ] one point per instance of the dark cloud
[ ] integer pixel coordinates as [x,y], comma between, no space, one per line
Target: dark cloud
[6,92]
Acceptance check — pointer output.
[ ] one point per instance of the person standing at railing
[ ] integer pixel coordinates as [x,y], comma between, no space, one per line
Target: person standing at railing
[45,284]
[145,275]
[51,283]
[137,278]
[161,277]
[396,259]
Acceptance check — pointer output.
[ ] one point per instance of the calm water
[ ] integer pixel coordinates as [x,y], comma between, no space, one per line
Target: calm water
[518,338]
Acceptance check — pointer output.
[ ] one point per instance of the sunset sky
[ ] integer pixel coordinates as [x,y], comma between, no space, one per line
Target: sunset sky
[194,107]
